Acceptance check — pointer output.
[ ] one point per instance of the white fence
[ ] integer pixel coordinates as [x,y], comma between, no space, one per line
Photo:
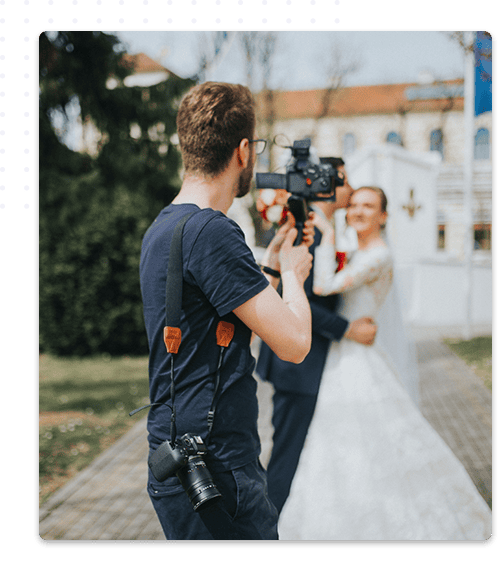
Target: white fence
[434,294]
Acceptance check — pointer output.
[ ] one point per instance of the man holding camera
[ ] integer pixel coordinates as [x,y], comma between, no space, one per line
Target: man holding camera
[296,385]
[222,285]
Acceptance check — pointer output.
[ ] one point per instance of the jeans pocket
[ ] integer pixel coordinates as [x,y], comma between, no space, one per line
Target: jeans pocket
[157,489]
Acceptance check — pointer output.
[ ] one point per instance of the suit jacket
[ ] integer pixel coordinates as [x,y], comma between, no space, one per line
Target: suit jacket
[327,325]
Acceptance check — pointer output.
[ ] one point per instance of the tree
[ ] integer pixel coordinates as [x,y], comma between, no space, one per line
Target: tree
[212,48]
[339,64]
[95,209]
[469,46]
[249,44]
[259,49]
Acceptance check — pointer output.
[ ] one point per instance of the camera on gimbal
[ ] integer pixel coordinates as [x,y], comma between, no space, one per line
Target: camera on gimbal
[184,459]
[306,179]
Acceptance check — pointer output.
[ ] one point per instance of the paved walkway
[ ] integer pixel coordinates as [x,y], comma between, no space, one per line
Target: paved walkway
[108,500]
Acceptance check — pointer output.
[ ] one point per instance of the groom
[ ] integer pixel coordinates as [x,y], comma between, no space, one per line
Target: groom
[296,385]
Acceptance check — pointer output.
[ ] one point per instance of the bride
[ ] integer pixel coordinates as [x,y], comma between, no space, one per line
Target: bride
[372,467]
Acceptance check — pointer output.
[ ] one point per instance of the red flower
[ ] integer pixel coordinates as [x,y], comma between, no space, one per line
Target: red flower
[276,214]
[341,259]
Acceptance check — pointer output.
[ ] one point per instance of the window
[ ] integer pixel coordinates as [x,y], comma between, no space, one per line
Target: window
[349,144]
[482,236]
[441,236]
[394,138]
[437,142]
[482,148]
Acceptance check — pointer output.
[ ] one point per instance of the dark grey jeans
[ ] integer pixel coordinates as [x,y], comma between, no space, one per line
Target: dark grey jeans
[246,512]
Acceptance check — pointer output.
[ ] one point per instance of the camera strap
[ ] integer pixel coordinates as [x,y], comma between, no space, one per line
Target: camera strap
[172,333]
[225,333]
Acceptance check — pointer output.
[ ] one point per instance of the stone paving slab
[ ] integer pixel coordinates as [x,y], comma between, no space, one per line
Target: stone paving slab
[459,407]
[108,499]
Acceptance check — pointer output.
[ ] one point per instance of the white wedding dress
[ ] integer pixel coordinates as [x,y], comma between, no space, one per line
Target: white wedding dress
[372,467]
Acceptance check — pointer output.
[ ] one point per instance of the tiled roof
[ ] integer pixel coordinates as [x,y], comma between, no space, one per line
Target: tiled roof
[143,64]
[366,100]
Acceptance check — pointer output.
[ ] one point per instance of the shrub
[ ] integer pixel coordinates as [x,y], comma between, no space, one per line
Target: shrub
[90,299]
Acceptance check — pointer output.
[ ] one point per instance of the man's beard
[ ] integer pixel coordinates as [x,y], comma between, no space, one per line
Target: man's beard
[245,179]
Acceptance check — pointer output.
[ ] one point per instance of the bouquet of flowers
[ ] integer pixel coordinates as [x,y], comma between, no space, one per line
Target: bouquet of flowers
[272,205]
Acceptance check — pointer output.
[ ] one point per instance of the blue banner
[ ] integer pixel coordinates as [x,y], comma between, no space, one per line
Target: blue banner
[483,48]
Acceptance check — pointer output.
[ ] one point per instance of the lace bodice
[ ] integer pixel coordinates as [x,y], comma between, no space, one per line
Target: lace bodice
[365,280]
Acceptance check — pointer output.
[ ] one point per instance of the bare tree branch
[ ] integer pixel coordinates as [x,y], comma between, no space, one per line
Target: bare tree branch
[249,45]
[212,47]
[338,66]
[259,49]
[459,38]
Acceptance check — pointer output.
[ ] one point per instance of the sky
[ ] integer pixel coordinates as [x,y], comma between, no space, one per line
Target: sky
[383,57]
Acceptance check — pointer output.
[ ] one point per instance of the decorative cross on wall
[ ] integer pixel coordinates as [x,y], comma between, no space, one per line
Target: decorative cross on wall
[411,206]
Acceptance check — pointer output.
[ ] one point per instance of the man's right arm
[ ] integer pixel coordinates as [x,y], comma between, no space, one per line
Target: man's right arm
[284,324]
[285,328]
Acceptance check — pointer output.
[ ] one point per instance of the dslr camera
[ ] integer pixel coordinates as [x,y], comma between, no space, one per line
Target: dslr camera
[307,178]
[184,459]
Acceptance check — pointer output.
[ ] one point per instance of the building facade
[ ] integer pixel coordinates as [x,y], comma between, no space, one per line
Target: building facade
[420,117]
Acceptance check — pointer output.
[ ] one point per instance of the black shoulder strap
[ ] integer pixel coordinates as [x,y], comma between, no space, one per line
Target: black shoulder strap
[174,280]
[174,285]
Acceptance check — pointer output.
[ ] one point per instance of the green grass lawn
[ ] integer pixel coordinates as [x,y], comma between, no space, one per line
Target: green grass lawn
[477,353]
[84,407]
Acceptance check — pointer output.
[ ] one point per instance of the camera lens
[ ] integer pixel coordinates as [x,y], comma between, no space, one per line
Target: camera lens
[196,479]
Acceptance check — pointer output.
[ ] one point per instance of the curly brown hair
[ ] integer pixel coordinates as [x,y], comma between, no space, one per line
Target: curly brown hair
[212,120]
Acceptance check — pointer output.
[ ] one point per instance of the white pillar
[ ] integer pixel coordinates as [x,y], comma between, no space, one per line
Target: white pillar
[469,116]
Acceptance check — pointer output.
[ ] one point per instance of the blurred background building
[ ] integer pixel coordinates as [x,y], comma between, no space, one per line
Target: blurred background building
[421,117]
[409,140]
[406,138]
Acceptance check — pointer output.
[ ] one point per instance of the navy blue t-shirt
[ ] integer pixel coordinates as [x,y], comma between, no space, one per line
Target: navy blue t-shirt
[219,274]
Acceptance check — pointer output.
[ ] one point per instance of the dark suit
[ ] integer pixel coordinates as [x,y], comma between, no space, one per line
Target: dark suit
[296,389]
